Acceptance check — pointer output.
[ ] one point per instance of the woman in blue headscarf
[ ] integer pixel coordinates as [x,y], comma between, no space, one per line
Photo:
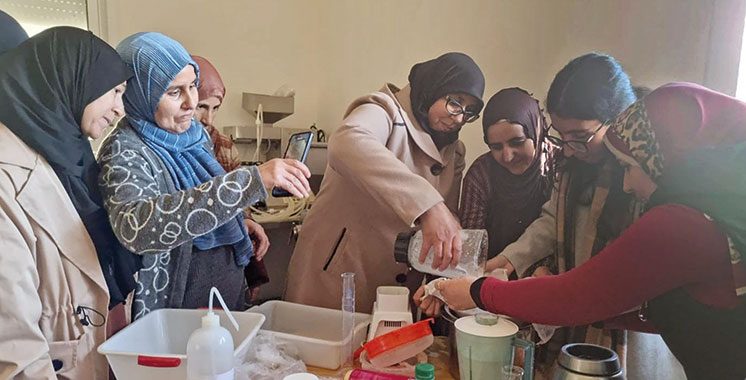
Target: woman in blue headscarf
[168,197]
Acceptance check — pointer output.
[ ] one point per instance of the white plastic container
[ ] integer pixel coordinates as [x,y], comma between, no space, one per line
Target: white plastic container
[399,345]
[400,354]
[315,331]
[301,376]
[154,346]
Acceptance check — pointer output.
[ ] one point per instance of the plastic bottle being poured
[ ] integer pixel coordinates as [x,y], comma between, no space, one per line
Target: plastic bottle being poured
[472,262]
[210,347]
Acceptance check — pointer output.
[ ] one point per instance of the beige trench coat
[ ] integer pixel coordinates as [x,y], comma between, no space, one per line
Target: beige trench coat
[48,267]
[383,172]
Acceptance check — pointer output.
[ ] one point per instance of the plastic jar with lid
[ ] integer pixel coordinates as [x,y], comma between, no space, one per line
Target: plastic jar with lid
[474,244]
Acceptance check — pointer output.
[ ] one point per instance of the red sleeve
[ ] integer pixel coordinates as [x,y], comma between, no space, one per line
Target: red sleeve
[670,246]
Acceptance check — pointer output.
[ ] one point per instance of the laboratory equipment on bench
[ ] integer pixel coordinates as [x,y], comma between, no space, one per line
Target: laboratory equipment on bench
[390,310]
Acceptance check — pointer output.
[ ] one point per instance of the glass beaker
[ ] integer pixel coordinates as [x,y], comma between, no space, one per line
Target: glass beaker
[511,372]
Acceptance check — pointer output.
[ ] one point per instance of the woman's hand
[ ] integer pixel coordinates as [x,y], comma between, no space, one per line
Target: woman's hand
[430,305]
[441,232]
[253,294]
[542,271]
[258,237]
[457,293]
[291,175]
[500,261]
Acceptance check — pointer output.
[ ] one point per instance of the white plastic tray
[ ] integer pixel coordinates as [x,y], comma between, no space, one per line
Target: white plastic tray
[315,331]
[154,346]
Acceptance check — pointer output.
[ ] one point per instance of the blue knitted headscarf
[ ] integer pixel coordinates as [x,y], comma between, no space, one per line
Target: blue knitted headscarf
[156,60]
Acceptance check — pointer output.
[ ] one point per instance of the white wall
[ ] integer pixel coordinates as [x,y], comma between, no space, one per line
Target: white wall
[257,46]
[332,51]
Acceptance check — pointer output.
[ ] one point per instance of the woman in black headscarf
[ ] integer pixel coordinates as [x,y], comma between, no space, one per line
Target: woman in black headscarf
[57,89]
[11,33]
[69,72]
[396,161]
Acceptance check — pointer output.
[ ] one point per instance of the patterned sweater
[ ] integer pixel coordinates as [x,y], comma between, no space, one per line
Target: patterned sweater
[152,218]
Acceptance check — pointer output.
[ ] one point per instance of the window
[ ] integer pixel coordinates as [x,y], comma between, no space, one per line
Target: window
[37,15]
[741,83]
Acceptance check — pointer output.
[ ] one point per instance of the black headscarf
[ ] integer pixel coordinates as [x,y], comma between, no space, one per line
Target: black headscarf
[450,73]
[45,84]
[11,33]
[524,194]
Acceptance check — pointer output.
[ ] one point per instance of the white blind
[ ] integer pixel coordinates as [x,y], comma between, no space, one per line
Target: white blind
[37,15]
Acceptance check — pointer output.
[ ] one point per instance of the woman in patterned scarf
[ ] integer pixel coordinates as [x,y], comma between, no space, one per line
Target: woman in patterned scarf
[587,207]
[211,94]
[682,149]
[168,198]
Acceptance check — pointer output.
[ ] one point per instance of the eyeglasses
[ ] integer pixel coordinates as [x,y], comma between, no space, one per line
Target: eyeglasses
[89,316]
[577,145]
[455,108]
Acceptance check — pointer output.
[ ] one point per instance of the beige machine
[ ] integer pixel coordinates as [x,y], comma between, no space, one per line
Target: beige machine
[272,140]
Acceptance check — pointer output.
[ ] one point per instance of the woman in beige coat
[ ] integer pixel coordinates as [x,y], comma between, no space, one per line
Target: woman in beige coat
[57,89]
[395,162]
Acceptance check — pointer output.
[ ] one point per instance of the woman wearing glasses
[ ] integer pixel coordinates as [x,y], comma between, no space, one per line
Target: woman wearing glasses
[395,162]
[587,207]
[678,270]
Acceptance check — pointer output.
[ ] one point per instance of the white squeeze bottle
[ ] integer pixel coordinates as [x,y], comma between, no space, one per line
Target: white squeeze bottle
[210,347]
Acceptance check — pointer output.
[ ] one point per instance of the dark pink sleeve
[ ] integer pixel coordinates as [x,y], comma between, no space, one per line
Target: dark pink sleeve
[670,246]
